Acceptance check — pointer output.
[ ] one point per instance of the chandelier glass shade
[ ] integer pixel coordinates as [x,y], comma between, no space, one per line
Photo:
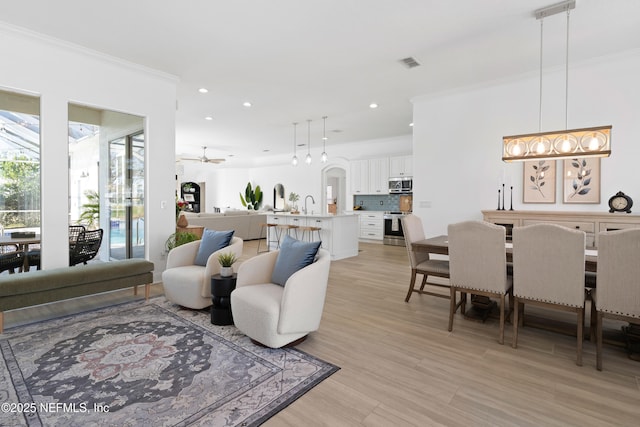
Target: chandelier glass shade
[294,160]
[324,157]
[307,159]
[587,142]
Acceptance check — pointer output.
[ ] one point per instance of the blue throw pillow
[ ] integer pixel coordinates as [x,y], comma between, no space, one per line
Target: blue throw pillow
[212,241]
[293,256]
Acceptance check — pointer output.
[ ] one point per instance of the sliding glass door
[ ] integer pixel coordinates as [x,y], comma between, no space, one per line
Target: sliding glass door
[126,197]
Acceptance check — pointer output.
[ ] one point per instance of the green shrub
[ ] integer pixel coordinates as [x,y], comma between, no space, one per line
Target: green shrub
[179,238]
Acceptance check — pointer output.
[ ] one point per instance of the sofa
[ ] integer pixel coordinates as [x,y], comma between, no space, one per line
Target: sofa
[245,223]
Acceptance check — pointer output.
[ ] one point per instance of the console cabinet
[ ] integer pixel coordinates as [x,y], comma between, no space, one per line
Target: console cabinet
[591,223]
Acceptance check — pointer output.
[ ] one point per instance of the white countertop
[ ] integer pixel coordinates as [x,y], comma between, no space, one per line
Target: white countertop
[311,215]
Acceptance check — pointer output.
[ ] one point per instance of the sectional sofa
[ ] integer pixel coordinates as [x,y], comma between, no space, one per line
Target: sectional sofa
[245,223]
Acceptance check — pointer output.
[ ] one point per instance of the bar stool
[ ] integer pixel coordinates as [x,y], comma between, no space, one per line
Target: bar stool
[286,228]
[268,236]
[311,229]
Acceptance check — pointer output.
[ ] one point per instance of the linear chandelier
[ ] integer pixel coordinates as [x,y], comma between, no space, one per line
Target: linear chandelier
[588,142]
[571,143]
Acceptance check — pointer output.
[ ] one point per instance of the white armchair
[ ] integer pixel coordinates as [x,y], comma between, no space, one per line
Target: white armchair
[275,315]
[187,284]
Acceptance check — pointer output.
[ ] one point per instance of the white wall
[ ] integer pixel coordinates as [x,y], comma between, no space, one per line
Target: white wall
[60,73]
[224,183]
[458,137]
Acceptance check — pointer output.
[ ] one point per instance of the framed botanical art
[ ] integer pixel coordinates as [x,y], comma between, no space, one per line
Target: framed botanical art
[581,180]
[539,181]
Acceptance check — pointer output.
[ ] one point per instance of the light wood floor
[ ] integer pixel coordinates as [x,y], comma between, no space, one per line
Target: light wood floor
[401,367]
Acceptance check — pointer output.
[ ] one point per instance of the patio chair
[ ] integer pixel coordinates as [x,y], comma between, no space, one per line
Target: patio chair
[86,247]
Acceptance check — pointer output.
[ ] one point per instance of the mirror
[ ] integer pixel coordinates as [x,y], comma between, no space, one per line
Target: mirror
[278,197]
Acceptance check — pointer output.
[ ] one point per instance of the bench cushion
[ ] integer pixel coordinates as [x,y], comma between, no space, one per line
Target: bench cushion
[57,278]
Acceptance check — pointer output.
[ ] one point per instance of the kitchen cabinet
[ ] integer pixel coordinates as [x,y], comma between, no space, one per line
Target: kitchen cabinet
[371,226]
[370,176]
[379,176]
[339,233]
[359,176]
[400,166]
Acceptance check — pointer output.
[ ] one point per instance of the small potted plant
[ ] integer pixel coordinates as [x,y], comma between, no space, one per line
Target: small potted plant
[226,260]
[293,198]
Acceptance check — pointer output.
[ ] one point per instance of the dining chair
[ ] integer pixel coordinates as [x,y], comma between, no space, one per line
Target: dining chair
[548,271]
[420,262]
[617,295]
[11,261]
[478,263]
[86,247]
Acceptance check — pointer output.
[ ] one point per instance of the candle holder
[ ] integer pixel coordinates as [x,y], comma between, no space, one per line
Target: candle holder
[502,198]
[511,201]
[498,200]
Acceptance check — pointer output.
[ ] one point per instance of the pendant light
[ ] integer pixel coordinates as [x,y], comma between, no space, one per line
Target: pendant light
[294,160]
[307,160]
[585,142]
[323,156]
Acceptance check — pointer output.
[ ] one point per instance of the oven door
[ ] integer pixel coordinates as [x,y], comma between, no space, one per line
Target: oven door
[393,234]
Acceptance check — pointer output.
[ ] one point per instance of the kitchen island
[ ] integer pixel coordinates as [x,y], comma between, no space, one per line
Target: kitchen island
[338,233]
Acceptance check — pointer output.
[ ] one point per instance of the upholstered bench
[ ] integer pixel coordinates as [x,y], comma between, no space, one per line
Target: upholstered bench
[44,286]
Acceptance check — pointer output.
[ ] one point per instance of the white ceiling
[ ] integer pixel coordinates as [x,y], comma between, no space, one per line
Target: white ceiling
[303,59]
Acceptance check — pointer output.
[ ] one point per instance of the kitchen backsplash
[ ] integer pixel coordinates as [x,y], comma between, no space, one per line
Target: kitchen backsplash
[390,202]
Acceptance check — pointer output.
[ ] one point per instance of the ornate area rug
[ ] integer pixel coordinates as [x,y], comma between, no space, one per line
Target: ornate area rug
[146,364]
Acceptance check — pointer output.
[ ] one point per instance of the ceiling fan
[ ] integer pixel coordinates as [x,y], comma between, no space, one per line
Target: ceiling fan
[203,158]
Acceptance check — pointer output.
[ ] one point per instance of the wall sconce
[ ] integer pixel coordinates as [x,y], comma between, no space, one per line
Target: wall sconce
[588,142]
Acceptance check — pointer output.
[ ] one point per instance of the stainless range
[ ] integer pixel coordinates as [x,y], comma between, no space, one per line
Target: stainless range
[393,234]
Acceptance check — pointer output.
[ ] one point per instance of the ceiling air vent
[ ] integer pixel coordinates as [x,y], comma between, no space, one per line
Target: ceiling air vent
[410,62]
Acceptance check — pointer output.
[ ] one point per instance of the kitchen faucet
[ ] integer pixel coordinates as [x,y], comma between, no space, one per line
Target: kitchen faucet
[305,203]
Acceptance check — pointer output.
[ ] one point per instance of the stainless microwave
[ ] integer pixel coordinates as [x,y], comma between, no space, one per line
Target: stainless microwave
[400,185]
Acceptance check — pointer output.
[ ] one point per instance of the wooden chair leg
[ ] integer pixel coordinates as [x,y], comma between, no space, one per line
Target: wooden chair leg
[411,284]
[516,311]
[452,307]
[501,338]
[580,336]
[147,291]
[424,281]
[599,341]
[1,322]
[592,322]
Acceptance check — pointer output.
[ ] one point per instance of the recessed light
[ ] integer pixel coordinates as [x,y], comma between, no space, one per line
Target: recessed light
[203,90]
[411,124]
[373,105]
[246,104]
[208,118]
[266,150]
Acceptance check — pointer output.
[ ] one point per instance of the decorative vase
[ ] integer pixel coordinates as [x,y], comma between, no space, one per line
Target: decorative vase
[182,221]
[226,271]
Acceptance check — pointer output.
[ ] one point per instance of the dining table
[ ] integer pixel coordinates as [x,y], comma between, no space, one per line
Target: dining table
[440,245]
[21,244]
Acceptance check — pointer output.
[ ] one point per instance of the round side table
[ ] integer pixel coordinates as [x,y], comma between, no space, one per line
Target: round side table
[221,288]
